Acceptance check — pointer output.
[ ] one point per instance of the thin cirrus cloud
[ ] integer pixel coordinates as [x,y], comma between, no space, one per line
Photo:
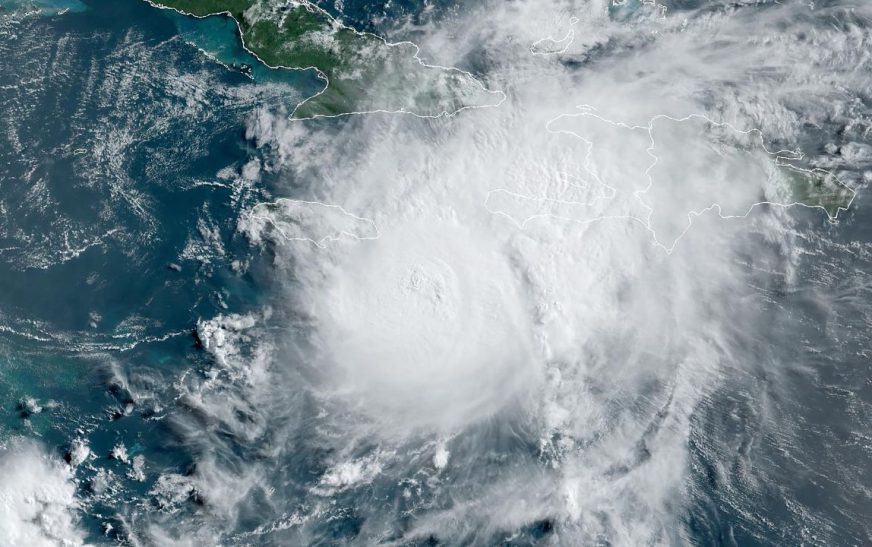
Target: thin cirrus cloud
[511,290]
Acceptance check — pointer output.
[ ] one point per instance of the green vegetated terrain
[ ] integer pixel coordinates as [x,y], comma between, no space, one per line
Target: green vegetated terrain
[202,8]
[794,182]
[363,73]
[817,188]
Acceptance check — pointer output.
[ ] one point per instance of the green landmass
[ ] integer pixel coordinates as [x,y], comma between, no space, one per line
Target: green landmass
[202,8]
[793,181]
[817,188]
[362,72]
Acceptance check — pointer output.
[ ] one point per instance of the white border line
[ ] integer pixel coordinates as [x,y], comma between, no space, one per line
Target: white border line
[337,24]
[780,157]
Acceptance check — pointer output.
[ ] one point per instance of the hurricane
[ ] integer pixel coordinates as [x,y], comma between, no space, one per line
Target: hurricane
[557,272]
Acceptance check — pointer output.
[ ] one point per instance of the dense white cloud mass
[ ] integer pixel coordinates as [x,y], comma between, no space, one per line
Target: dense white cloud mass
[430,328]
[37,499]
[528,298]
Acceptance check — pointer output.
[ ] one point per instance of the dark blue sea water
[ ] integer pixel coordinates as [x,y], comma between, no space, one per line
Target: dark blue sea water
[122,181]
[116,233]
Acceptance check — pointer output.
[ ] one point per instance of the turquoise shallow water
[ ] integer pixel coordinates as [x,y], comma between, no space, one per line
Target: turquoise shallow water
[122,185]
[126,143]
[130,237]
[218,37]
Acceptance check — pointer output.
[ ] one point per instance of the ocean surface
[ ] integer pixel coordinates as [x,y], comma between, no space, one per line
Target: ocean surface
[118,235]
[170,356]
